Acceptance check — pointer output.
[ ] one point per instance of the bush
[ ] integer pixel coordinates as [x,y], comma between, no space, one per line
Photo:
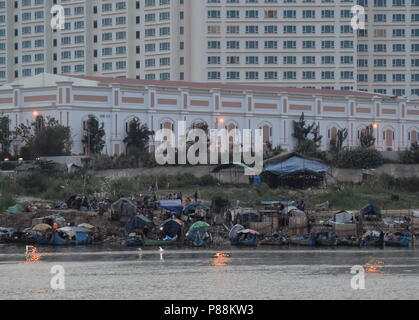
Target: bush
[411,155]
[32,183]
[410,184]
[6,201]
[358,158]
[207,181]
[8,166]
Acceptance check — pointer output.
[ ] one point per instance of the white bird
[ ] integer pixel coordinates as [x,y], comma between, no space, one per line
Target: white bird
[161,249]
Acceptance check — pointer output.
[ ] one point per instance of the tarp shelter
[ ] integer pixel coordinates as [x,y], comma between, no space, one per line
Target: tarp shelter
[123,210]
[191,209]
[171,205]
[343,217]
[371,213]
[138,222]
[233,234]
[235,169]
[15,209]
[294,170]
[172,228]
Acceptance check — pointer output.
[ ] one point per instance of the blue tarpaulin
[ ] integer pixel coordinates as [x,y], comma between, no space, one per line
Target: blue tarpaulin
[296,164]
[171,205]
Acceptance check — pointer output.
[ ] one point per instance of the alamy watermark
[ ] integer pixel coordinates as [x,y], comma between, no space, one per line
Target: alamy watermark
[195,145]
[58,279]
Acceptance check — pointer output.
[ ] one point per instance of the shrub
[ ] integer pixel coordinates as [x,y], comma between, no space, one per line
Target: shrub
[32,183]
[6,200]
[411,155]
[358,158]
[8,166]
[207,180]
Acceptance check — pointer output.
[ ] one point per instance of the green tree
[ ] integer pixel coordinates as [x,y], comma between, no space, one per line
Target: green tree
[307,135]
[341,136]
[93,139]
[44,138]
[5,136]
[367,139]
[138,140]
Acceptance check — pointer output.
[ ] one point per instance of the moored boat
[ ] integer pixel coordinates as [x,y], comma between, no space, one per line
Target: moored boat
[397,240]
[326,239]
[373,239]
[275,240]
[303,240]
[64,236]
[350,242]
[198,235]
[240,236]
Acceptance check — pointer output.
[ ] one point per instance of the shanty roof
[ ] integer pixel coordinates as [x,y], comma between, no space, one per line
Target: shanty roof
[293,163]
[50,80]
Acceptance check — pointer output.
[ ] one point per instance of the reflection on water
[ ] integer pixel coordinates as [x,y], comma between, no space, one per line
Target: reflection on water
[374,266]
[220,259]
[32,255]
[226,273]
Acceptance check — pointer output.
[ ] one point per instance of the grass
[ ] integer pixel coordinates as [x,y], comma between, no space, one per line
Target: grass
[384,191]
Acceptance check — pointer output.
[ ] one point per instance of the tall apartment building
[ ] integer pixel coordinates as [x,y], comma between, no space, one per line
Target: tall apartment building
[299,43]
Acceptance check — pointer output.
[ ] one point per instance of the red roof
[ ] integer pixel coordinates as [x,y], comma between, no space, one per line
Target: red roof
[212,85]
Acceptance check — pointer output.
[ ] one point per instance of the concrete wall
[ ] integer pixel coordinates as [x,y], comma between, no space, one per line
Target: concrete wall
[355,175]
[198,171]
[335,174]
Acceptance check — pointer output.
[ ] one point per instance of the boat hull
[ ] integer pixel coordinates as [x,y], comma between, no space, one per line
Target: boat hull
[404,242]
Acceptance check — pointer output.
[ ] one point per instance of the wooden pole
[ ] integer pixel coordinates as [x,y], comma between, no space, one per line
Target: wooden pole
[412,227]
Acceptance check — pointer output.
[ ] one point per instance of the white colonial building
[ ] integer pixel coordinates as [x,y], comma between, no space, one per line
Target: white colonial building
[161,104]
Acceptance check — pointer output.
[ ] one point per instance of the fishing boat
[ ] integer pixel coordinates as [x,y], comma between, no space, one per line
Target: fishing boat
[198,235]
[350,242]
[397,240]
[5,235]
[275,240]
[240,236]
[373,239]
[308,241]
[326,239]
[64,236]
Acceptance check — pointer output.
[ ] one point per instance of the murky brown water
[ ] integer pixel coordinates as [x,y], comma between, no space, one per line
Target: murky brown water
[187,274]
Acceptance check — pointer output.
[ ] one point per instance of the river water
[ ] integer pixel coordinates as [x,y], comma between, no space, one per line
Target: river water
[189,274]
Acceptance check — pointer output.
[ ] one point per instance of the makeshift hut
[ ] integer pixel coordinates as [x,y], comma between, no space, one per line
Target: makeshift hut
[233,172]
[138,222]
[297,222]
[172,228]
[197,211]
[371,213]
[171,205]
[123,210]
[294,170]
[345,224]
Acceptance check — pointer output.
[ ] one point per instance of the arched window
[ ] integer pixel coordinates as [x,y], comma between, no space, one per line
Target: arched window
[413,136]
[40,122]
[332,133]
[230,129]
[131,122]
[167,125]
[267,136]
[389,137]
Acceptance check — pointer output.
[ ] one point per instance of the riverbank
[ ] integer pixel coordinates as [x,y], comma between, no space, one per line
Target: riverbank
[383,191]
